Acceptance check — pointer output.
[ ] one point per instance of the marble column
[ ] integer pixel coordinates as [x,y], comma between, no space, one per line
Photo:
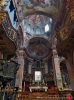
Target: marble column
[70,72]
[57,69]
[19,75]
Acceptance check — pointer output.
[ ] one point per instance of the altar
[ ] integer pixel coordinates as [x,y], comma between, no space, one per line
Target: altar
[45,88]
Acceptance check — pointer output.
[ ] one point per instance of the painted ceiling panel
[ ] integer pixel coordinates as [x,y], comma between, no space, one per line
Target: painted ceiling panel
[34,15]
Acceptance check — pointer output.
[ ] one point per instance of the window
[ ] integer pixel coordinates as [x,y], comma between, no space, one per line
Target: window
[50,20]
[37,76]
[28,28]
[46,28]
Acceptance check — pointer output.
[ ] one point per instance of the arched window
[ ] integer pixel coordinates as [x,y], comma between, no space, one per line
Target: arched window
[47,28]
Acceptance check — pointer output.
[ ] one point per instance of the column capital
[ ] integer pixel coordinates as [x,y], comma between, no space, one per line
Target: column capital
[55,54]
[53,47]
[22,53]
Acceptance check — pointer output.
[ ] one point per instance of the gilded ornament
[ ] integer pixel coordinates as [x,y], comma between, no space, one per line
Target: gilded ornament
[64,33]
[3,4]
[72,14]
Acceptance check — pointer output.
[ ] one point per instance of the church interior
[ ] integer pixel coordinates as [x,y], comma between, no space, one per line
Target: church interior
[36,49]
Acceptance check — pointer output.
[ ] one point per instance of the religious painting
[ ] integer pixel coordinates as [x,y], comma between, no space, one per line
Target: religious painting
[38,50]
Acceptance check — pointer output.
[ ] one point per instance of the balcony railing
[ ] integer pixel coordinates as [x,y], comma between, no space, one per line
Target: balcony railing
[7,26]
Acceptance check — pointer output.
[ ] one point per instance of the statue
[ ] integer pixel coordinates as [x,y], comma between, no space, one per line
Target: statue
[65,79]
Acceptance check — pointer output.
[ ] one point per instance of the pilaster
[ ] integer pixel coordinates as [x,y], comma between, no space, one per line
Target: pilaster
[57,69]
[19,75]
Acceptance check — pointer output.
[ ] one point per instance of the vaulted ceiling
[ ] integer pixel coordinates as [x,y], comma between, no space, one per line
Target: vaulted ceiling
[43,18]
[36,14]
[37,18]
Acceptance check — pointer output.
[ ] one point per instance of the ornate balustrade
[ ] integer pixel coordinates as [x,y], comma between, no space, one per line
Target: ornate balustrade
[7,26]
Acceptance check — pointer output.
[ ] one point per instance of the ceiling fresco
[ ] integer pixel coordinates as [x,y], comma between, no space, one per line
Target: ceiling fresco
[43,3]
[34,15]
[38,20]
[29,10]
[38,48]
[35,24]
[40,5]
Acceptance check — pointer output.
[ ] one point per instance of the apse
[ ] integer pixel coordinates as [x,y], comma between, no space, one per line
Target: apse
[38,48]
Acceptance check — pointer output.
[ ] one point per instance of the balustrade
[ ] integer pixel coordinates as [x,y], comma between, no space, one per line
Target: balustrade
[7,26]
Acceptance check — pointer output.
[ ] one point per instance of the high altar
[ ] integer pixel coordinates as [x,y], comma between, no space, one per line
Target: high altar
[39,86]
[45,88]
